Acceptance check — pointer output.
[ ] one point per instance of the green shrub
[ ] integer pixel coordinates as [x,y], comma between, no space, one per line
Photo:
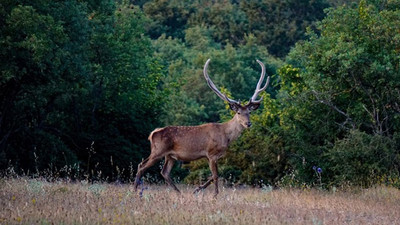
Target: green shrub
[363,159]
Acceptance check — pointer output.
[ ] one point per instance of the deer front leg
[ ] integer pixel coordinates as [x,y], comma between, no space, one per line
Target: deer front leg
[205,185]
[214,172]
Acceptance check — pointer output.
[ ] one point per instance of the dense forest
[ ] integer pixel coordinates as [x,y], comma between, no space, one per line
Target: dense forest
[83,83]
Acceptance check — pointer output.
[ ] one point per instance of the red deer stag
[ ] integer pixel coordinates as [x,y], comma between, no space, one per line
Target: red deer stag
[211,140]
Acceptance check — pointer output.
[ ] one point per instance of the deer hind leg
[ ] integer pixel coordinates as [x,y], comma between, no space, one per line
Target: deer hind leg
[143,166]
[168,164]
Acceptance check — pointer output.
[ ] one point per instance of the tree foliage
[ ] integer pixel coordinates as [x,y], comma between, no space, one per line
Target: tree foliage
[335,107]
[275,24]
[349,75]
[83,83]
[78,86]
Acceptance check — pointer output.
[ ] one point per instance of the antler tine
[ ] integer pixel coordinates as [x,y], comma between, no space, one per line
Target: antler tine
[213,87]
[258,89]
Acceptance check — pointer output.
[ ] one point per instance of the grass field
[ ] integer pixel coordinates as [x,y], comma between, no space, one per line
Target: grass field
[34,201]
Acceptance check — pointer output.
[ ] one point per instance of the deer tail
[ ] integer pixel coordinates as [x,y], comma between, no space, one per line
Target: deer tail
[154,131]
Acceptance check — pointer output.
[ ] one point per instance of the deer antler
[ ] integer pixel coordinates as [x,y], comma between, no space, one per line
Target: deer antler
[258,90]
[214,88]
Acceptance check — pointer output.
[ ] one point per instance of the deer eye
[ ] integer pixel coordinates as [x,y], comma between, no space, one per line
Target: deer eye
[239,113]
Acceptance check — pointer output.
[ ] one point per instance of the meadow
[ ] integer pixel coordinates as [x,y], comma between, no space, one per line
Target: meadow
[36,201]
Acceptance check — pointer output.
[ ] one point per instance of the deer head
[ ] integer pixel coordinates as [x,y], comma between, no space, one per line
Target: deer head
[242,111]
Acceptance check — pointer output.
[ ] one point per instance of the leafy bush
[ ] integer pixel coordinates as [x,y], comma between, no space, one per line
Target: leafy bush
[361,159]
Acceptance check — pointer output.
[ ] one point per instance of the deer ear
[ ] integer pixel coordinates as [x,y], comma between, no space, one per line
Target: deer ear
[254,106]
[234,107]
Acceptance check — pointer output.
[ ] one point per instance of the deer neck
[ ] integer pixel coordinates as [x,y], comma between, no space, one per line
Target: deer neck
[233,128]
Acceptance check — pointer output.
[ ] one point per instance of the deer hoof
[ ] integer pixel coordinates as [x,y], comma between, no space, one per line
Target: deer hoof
[197,190]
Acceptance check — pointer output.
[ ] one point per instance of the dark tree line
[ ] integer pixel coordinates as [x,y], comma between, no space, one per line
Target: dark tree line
[78,86]
[83,83]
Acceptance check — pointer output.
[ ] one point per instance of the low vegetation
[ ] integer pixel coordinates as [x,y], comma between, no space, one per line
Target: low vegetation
[36,201]
[83,83]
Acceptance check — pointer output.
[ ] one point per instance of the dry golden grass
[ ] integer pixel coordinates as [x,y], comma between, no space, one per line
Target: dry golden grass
[30,201]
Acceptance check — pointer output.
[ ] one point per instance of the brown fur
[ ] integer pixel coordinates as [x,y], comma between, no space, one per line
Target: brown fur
[188,143]
[209,140]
